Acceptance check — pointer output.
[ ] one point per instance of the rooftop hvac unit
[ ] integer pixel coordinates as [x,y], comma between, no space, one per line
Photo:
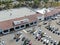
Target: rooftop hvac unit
[25,20]
[17,22]
[40,18]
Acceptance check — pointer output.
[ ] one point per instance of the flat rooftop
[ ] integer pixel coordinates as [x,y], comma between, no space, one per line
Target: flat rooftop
[42,11]
[15,13]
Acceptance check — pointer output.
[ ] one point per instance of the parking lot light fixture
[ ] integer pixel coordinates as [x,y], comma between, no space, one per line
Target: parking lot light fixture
[49,22]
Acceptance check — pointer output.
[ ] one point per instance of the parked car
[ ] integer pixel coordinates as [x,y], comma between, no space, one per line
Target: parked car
[51,41]
[44,41]
[58,23]
[30,43]
[44,23]
[54,31]
[39,37]
[27,41]
[34,33]
[39,32]
[53,18]
[57,32]
[23,38]
[47,42]
[55,43]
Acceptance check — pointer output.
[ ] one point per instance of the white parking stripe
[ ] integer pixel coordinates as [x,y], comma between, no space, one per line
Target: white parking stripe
[25,31]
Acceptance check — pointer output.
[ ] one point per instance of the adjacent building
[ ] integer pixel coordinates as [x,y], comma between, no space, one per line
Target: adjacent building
[17,19]
[21,18]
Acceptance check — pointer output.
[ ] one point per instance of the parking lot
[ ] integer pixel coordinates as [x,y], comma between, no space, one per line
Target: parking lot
[31,35]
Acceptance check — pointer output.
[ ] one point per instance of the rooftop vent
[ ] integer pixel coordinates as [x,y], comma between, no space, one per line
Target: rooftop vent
[21,21]
[17,22]
[25,20]
[40,18]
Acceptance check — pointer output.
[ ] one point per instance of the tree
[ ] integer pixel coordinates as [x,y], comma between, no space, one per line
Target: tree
[56,1]
[45,1]
[36,3]
[25,42]
[21,2]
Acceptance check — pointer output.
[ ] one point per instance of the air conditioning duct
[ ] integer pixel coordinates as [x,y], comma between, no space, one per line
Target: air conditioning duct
[17,22]
[25,20]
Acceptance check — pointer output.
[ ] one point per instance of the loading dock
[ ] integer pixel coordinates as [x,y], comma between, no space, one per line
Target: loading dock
[31,24]
[12,29]
[27,25]
[6,31]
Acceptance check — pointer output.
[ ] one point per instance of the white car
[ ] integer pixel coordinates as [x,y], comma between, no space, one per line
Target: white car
[47,41]
[44,41]
[34,33]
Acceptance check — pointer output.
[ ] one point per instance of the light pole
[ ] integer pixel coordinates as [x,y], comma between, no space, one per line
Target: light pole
[45,11]
[38,23]
[49,22]
[58,19]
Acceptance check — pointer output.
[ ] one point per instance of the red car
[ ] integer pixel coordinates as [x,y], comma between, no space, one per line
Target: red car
[30,43]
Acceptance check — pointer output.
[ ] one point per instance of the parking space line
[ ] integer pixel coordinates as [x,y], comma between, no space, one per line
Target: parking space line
[25,31]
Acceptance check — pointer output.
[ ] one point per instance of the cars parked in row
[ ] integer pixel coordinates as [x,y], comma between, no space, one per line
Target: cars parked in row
[53,29]
[46,40]
[26,41]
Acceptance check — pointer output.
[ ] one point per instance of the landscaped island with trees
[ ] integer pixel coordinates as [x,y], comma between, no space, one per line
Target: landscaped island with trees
[8,4]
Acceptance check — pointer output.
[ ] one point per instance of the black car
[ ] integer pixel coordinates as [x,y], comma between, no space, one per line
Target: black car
[23,38]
